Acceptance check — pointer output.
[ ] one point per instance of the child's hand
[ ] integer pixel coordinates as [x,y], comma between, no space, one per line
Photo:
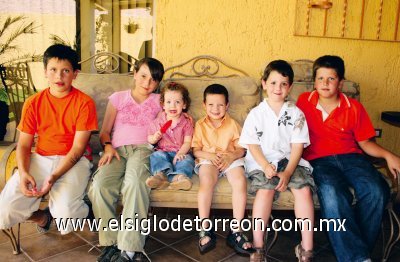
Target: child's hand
[27,185]
[270,170]
[284,178]
[393,163]
[156,137]
[214,158]
[225,160]
[47,184]
[109,153]
[178,157]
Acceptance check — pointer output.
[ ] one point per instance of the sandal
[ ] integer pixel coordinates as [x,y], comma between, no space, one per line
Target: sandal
[180,182]
[303,255]
[157,181]
[210,244]
[237,241]
[46,227]
[258,255]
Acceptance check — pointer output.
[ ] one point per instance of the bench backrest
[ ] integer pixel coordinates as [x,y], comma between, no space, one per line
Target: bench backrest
[196,74]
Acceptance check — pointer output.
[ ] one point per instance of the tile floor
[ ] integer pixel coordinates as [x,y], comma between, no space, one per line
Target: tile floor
[161,246]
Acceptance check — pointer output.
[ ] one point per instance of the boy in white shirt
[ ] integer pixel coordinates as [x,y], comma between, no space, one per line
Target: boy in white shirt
[275,133]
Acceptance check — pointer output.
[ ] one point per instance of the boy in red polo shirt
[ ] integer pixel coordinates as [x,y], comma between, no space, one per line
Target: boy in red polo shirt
[340,131]
[62,117]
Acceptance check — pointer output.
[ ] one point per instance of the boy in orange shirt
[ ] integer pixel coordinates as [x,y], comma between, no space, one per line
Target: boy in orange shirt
[62,117]
[215,145]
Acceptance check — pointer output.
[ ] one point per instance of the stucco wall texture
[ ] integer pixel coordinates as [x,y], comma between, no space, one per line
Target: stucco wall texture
[250,33]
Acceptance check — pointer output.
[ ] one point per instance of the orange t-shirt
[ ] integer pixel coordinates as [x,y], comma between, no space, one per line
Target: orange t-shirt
[55,120]
[223,139]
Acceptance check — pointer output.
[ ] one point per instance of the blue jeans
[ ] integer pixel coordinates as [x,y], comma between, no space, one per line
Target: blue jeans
[161,161]
[333,176]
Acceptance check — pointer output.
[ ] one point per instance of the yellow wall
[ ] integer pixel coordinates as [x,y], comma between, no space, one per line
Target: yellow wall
[249,33]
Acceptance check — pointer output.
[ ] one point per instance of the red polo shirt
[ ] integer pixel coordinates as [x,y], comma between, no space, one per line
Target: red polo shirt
[340,132]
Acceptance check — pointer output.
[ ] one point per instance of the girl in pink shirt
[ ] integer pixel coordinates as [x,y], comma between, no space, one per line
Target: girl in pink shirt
[172,164]
[123,168]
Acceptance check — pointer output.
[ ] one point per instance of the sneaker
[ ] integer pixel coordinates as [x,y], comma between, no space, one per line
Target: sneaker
[181,182]
[45,228]
[107,253]
[303,255]
[258,256]
[158,181]
[121,257]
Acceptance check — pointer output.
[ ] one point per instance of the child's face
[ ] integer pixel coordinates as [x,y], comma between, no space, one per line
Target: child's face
[144,83]
[327,82]
[277,86]
[173,103]
[215,106]
[60,75]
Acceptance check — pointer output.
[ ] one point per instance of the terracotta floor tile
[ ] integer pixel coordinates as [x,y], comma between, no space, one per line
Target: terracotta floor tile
[77,254]
[152,245]
[169,237]
[27,229]
[49,244]
[7,255]
[92,237]
[168,255]
[235,258]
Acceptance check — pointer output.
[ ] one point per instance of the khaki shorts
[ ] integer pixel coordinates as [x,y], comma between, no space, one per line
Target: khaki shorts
[236,163]
[301,177]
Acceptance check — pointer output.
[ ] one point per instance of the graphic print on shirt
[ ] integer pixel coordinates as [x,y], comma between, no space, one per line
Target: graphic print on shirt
[285,119]
[259,134]
[138,115]
[299,123]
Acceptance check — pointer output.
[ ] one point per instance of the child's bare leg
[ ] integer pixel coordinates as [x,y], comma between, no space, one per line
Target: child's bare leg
[238,183]
[208,175]
[39,217]
[304,208]
[262,207]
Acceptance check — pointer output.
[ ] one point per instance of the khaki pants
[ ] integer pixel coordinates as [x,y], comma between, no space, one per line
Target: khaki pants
[128,177]
[65,196]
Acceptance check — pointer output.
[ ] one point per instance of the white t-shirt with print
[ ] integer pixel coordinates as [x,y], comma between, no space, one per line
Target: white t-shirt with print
[274,133]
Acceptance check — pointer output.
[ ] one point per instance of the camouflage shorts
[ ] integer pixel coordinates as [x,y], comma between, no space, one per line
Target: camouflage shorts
[301,177]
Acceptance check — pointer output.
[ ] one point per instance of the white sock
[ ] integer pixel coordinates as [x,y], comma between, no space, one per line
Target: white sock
[130,254]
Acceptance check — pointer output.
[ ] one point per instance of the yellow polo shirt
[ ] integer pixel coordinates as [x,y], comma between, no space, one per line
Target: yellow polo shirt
[222,139]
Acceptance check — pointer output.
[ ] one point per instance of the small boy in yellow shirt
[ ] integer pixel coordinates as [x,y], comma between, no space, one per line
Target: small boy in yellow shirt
[215,146]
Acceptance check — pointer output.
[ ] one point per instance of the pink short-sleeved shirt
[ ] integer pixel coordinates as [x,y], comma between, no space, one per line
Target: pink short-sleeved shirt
[174,137]
[132,120]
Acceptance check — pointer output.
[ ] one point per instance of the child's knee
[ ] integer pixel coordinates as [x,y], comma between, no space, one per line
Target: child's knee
[265,193]
[304,192]
[69,211]
[239,183]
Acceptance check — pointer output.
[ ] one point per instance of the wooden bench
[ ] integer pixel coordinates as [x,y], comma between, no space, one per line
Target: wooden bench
[196,74]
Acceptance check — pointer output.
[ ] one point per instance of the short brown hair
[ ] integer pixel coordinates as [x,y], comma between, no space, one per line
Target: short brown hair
[173,86]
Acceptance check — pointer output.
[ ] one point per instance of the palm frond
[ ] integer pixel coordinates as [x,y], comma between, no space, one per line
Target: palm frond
[55,39]
[24,57]
[29,28]
[9,21]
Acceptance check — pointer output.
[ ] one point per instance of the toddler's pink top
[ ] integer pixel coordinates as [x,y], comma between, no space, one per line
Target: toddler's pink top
[174,137]
[133,119]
